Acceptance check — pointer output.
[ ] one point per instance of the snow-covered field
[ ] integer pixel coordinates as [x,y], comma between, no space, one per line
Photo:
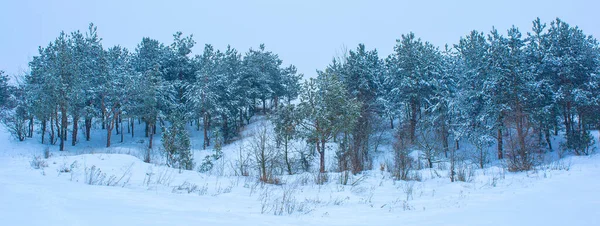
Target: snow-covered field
[126,191]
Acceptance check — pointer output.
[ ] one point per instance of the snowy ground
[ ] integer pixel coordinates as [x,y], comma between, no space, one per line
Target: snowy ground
[138,193]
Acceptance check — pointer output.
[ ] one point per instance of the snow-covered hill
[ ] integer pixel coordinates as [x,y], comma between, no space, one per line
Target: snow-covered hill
[95,186]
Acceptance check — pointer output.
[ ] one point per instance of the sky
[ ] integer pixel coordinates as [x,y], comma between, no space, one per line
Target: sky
[306,33]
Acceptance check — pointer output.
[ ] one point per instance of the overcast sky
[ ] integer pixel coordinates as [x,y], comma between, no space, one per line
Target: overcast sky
[305,33]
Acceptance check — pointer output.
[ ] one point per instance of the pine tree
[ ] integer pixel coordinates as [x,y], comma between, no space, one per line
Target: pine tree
[176,143]
[157,96]
[326,109]
[285,121]
[360,74]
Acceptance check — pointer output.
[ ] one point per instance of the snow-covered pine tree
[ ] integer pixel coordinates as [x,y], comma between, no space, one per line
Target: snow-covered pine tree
[326,109]
[359,74]
[157,95]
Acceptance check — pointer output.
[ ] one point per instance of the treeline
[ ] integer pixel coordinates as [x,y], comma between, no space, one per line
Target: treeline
[514,91]
[511,90]
[75,83]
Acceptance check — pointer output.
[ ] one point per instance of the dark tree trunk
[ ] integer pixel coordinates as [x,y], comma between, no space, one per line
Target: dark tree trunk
[321,150]
[122,133]
[499,138]
[75,130]
[285,153]
[103,120]
[63,127]
[206,122]
[225,128]
[52,138]
[109,133]
[110,125]
[132,127]
[413,120]
[44,124]
[457,145]
[154,128]
[88,128]
[117,128]
[151,131]
[30,135]
[241,112]
[249,115]
[547,135]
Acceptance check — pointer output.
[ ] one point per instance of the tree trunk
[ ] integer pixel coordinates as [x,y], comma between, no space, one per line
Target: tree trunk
[122,134]
[198,124]
[321,150]
[413,120]
[44,124]
[225,128]
[285,153]
[30,127]
[151,131]
[88,128]
[566,115]
[118,121]
[52,138]
[108,135]
[132,127]
[445,144]
[154,128]
[75,130]
[392,122]
[63,127]
[499,138]
[205,122]
[520,124]
[264,103]
[103,118]
[547,135]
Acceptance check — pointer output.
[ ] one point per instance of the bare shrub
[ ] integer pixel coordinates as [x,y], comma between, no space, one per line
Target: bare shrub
[519,162]
[344,177]
[403,162]
[408,189]
[464,172]
[15,121]
[38,163]
[455,159]
[286,204]
[321,178]
[163,177]
[242,163]
[428,144]
[67,169]
[187,187]
[265,154]
[94,176]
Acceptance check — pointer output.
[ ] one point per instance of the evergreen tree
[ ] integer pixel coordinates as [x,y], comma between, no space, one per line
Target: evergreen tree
[360,74]
[156,97]
[326,110]
[176,143]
